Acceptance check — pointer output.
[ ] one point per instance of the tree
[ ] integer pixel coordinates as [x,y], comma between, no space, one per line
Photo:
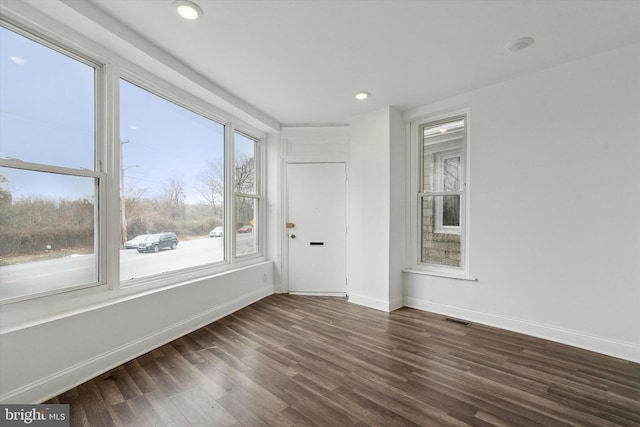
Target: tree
[173,197]
[212,185]
[245,184]
[5,200]
[245,175]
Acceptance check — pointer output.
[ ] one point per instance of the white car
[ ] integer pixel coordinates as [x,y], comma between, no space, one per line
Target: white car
[133,243]
[217,232]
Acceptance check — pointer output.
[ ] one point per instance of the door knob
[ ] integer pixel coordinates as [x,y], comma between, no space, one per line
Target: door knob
[293,236]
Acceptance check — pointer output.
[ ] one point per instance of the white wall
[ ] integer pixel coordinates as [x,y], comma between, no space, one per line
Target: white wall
[555,206]
[42,359]
[369,219]
[274,217]
[397,209]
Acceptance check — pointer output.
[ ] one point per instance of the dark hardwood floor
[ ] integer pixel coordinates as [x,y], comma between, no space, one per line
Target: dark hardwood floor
[320,361]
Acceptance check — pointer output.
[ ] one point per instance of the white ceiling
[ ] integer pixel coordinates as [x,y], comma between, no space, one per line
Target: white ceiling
[303,61]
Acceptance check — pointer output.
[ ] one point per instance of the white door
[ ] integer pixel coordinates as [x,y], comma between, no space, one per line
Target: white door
[316,227]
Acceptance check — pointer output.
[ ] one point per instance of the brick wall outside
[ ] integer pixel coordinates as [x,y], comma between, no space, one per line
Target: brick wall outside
[437,248]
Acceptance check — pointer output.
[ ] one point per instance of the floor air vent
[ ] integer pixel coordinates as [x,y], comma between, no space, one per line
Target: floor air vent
[458,321]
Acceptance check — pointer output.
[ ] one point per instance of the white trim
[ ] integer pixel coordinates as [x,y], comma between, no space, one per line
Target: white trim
[259,147]
[396,303]
[375,303]
[414,173]
[620,349]
[446,274]
[321,294]
[50,168]
[56,383]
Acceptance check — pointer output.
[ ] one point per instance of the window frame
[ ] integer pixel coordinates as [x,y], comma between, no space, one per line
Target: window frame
[175,96]
[258,144]
[415,159]
[98,173]
[110,68]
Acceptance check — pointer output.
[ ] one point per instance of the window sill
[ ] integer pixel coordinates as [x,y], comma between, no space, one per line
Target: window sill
[28,313]
[441,274]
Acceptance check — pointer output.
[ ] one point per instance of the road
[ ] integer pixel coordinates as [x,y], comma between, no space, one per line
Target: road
[73,270]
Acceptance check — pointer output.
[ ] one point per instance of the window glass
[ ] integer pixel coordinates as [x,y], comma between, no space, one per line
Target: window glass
[47,104]
[245,164]
[442,196]
[247,233]
[172,181]
[451,174]
[451,211]
[47,232]
[247,200]
[48,182]
[438,247]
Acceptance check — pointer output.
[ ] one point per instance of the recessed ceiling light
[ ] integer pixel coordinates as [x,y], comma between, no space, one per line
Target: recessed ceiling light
[362,95]
[187,9]
[519,44]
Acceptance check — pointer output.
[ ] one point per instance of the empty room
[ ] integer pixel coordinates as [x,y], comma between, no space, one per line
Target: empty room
[320,212]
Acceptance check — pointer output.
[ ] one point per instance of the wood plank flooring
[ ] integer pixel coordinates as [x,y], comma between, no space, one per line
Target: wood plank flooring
[320,361]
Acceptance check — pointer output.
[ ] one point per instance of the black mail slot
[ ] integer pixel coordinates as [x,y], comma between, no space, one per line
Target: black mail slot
[316,243]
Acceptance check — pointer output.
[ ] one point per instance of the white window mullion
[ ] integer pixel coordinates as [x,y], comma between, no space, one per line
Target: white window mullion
[230,220]
[109,148]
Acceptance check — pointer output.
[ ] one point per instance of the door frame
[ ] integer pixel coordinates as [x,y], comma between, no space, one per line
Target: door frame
[285,217]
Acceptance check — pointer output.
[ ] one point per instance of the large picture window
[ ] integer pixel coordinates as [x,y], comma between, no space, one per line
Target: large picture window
[171,184]
[138,184]
[442,193]
[49,181]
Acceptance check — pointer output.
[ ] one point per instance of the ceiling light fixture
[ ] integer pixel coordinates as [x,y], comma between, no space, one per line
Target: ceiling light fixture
[188,9]
[362,95]
[519,44]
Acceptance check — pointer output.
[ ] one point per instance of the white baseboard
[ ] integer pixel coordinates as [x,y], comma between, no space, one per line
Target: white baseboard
[320,294]
[396,303]
[52,385]
[378,304]
[622,350]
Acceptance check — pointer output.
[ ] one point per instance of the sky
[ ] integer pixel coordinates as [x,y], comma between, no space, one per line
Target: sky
[47,112]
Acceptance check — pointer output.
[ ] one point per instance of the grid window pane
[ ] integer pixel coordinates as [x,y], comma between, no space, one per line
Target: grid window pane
[247,199]
[47,105]
[438,248]
[451,174]
[451,211]
[172,181]
[47,232]
[244,164]
[247,232]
